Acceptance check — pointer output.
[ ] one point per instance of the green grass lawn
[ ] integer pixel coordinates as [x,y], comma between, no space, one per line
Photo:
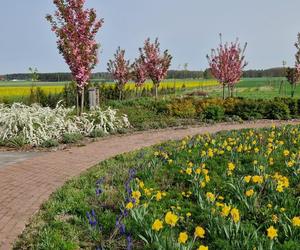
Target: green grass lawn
[264,88]
[237,186]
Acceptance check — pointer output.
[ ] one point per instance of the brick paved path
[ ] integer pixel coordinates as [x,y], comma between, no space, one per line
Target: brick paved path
[25,185]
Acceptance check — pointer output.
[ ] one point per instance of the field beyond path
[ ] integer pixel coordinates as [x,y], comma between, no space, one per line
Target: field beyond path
[25,185]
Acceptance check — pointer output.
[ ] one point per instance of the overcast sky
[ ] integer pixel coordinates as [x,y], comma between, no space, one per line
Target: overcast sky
[188,28]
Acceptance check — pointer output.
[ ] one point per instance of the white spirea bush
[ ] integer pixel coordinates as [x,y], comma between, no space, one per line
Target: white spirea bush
[38,124]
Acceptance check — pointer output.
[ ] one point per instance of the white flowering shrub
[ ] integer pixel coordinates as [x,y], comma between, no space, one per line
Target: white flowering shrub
[38,124]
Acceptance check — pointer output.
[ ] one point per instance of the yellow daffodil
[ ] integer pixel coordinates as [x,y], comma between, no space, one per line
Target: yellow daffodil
[202,247]
[182,238]
[272,232]
[199,232]
[225,210]
[158,196]
[235,214]
[296,221]
[136,195]
[157,225]
[230,166]
[247,178]
[129,205]
[249,192]
[171,219]
[189,171]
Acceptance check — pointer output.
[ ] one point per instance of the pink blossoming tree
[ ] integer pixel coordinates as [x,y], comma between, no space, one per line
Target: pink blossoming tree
[120,70]
[156,64]
[76,28]
[139,73]
[227,63]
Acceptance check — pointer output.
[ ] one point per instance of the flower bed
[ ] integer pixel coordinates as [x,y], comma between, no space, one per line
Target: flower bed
[36,125]
[232,190]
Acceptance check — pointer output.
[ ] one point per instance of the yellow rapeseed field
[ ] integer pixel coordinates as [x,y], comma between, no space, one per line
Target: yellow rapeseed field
[10,91]
[25,91]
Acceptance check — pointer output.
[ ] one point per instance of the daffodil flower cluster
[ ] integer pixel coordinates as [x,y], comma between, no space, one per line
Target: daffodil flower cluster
[237,189]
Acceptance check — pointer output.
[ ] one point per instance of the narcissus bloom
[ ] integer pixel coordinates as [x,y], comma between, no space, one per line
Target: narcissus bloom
[231,166]
[202,247]
[257,179]
[210,196]
[136,195]
[249,193]
[157,225]
[199,232]
[129,205]
[272,232]
[247,178]
[296,221]
[182,238]
[158,196]
[235,214]
[225,210]
[189,171]
[171,219]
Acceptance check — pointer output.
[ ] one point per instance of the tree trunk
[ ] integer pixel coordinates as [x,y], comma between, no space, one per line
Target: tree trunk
[156,91]
[228,90]
[77,102]
[82,101]
[120,94]
[223,91]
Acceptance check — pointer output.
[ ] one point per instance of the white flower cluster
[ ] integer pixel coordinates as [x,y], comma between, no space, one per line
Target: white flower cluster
[38,124]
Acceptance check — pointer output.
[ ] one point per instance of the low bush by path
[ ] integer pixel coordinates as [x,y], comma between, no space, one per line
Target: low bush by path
[232,190]
[40,126]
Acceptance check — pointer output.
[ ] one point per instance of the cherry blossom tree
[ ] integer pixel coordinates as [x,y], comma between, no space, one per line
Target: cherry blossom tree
[76,27]
[156,64]
[120,70]
[139,72]
[227,63]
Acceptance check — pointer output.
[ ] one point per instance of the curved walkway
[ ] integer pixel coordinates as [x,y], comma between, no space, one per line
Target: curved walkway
[25,185]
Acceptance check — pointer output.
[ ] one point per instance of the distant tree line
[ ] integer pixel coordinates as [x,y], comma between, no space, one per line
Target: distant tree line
[272,72]
[172,74]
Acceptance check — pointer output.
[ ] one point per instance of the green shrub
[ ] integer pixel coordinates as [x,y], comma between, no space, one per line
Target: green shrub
[214,112]
[50,143]
[183,108]
[277,110]
[291,103]
[16,142]
[97,133]
[249,109]
[71,138]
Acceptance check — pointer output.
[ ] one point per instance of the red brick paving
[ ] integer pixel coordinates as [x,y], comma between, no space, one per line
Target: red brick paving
[25,185]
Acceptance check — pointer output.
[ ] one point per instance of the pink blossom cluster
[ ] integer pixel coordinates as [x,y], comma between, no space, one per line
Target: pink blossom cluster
[139,72]
[119,68]
[227,63]
[157,65]
[76,29]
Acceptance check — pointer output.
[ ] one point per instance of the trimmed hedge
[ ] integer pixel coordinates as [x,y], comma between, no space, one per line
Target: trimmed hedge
[247,109]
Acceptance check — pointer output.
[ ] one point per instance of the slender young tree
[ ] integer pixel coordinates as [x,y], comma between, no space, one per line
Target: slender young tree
[76,27]
[139,73]
[120,70]
[292,76]
[297,56]
[157,64]
[227,63]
